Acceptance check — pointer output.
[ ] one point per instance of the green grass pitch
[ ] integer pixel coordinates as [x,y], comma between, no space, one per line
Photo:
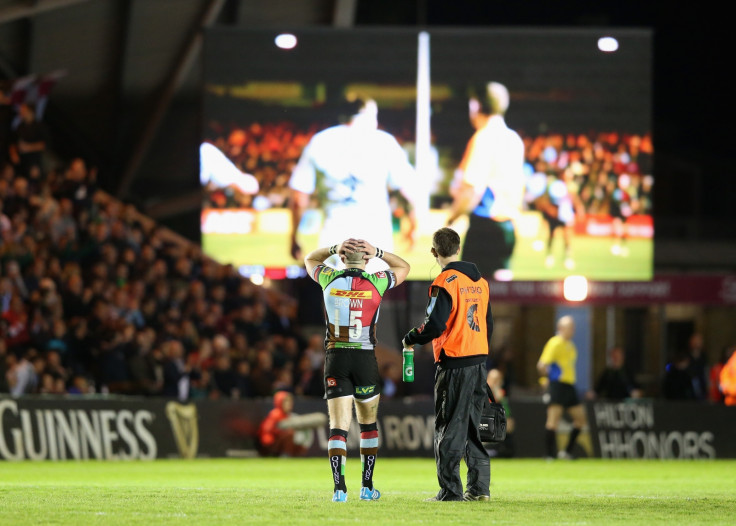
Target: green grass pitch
[298,491]
[592,256]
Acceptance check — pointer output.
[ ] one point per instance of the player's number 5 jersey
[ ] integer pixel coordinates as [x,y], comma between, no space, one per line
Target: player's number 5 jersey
[352,299]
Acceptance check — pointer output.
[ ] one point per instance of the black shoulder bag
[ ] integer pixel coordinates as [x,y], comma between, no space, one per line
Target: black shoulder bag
[492,426]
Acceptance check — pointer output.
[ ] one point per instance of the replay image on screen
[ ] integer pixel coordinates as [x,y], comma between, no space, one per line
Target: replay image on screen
[534,144]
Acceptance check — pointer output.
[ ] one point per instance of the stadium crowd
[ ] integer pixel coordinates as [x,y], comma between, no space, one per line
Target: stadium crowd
[608,171]
[96,298]
[605,170]
[267,151]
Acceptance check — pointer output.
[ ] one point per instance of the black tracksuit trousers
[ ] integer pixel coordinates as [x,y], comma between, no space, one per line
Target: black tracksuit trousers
[459,396]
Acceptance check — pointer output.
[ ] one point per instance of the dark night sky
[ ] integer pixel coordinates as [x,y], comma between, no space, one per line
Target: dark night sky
[691,107]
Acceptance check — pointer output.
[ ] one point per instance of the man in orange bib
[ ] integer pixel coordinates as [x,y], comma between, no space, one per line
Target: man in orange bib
[459,324]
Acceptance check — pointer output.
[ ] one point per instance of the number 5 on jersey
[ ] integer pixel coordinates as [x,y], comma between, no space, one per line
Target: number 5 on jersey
[355,325]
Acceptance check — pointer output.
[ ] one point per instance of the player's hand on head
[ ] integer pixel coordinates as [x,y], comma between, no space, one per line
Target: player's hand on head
[346,246]
[349,246]
[370,250]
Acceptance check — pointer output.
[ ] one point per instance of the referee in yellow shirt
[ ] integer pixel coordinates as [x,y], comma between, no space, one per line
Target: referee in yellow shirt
[557,365]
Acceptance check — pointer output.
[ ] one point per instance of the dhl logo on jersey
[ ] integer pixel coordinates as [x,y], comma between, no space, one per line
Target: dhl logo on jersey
[355,294]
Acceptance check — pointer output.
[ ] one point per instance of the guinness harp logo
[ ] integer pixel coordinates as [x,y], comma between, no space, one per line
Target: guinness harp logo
[183,420]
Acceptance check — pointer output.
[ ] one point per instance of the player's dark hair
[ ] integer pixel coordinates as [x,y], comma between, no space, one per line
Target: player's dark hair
[446,242]
[489,103]
[349,108]
[479,92]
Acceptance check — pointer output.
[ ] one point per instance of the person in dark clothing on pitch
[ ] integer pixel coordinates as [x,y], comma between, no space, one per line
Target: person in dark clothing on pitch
[459,323]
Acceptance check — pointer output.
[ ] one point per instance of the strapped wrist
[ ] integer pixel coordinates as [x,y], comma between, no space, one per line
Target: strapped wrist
[333,250]
[379,253]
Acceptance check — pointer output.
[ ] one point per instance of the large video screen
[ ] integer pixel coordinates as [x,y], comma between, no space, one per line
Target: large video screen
[533,144]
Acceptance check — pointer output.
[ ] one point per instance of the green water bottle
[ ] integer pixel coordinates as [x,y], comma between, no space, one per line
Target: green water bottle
[408,365]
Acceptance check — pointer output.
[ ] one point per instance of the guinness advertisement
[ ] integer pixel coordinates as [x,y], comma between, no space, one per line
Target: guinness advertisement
[58,429]
[46,428]
[41,428]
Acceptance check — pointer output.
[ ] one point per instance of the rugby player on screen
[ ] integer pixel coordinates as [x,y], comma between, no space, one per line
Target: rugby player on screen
[489,185]
[349,169]
[218,172]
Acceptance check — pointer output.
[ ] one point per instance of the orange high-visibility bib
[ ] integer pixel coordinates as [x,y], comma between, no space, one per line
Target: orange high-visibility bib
[466,333]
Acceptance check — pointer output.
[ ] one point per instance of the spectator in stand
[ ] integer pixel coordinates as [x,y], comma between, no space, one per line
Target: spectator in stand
[4,387]
[6,294]
[678,382]
[224,377]
[200,385]
[58,341]
[288,351]
[503,360]
[31,141]
[6,119]
[54,367]
[53,375]
[80,386]
[315,351]
[22,377]
[310,379]
[17,205]
[391,384]
[5,224]
[146,376]
[16,318]
[280,319]
[284,380]
[241,348]
[244,385]
[13,273]
[175,371]
[246,321]
[614,382]
[79,345]
[46,301]
[35,275]
[263,374]
[79,184]
[114,371]
[698,366]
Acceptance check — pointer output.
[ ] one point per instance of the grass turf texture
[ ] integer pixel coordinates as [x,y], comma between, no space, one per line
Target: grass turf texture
[298,491]
[592,256]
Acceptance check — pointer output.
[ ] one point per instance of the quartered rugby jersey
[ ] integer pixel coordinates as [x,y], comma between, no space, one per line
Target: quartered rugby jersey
[352,298]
